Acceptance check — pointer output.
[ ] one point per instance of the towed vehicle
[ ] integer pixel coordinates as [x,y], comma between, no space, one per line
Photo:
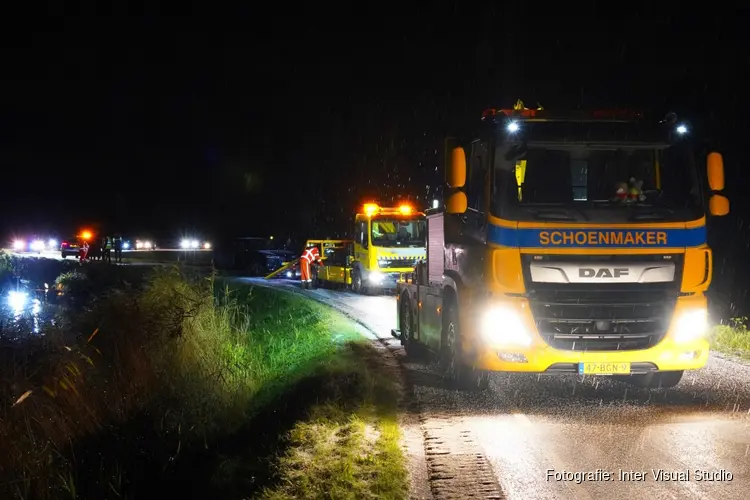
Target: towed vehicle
[255,256]
[276,259]
[570,243]
[70,247]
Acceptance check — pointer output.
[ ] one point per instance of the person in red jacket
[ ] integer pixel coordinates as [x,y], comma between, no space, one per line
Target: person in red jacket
[310,256]
[83,252]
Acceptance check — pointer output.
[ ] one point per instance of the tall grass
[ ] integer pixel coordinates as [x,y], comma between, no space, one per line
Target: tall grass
[6,263]
[732,338]
[187,359]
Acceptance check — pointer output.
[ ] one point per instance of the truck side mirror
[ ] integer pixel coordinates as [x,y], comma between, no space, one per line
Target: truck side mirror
[718,205]
[715,171]
[457,203]
[456,169]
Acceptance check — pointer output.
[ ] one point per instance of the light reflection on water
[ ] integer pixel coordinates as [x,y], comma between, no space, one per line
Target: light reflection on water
[23,308]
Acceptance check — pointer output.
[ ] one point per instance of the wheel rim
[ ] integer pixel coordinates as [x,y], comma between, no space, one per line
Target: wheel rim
[450,340]
[406,327]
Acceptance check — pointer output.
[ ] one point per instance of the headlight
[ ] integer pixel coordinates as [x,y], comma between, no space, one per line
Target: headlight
[37,245]
[690,325]
[501,326]
[19,245]
[375,277]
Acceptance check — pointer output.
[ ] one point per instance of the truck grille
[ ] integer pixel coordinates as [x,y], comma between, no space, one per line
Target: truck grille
[604,317]
[399,263]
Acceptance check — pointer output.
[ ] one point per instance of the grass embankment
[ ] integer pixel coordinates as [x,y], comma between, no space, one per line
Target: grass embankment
[732,338]
[169,386]
[349,446]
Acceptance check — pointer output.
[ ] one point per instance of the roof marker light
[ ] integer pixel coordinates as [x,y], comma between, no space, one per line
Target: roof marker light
[404,209]
[370,209]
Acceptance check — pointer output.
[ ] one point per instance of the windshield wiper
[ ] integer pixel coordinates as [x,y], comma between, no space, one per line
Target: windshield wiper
[554,211]
[656,213]
[551,216]
[647,216]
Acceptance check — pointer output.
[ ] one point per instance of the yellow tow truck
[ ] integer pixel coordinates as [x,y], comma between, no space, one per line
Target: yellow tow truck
[571,243]
[388,242]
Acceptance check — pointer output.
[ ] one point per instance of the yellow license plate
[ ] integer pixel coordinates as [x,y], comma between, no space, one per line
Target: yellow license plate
[604,368]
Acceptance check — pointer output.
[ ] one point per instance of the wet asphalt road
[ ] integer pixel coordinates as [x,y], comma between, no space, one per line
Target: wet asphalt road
[130,257]
[528,428]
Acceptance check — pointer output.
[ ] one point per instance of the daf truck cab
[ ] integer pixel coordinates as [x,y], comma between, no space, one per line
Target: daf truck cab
[568,244]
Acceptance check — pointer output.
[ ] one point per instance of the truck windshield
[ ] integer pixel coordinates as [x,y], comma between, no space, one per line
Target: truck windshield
[598,182]
[398,232]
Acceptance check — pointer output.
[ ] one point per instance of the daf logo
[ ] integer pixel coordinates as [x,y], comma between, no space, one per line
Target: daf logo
[617,272]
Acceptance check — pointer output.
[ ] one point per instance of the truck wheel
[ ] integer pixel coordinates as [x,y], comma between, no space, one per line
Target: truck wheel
[656,380]
[357,283]
[455,370]
[406,323]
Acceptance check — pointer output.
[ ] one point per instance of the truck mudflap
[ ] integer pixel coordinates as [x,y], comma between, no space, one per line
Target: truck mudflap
[396,333]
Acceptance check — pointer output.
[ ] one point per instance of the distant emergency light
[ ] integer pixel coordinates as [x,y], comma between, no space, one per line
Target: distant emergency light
[86,235]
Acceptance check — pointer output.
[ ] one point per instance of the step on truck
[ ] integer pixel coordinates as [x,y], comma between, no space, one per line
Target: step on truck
[568,244]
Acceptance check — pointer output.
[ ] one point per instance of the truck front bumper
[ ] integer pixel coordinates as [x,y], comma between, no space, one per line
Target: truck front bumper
[528,352]
[385,279]
[543,359]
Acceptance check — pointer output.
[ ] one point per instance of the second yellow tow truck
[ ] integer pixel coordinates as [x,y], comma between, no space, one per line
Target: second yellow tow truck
[388,242]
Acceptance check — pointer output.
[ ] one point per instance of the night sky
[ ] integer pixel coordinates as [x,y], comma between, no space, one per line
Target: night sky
[281,121]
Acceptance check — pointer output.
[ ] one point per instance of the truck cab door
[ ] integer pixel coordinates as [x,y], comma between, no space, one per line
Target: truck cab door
[477,191]
[361,244]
